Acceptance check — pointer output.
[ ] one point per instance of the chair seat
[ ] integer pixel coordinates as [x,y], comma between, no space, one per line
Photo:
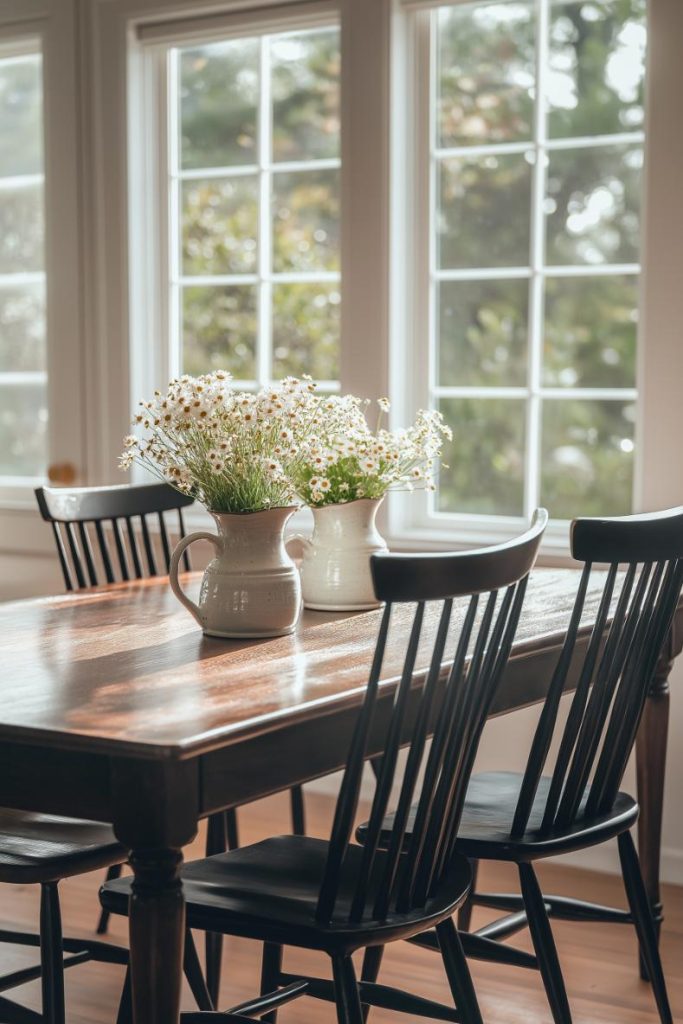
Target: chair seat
[269,892]
[489,810]
[37,848]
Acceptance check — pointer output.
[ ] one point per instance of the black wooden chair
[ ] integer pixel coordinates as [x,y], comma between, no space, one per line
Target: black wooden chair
[524,817]
[109,533]
[40,849]
[338,897]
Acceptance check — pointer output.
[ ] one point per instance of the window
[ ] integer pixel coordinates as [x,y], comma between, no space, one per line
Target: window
[535,140]
[253,261]
[23,377]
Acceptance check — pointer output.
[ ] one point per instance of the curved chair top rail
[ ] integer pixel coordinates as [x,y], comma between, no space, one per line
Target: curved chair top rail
[92,504]
[649,537]
[433,577]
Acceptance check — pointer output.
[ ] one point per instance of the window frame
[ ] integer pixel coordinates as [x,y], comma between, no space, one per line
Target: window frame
[20,47]
[376,105]
[27,24]
[416,518]
[158,305]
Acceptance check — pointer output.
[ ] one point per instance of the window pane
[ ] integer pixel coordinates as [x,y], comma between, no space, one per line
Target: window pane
[485,460]
[483,215]
[219,325]
[306,221]
[590,332]
[305,91]
[306,330]
[220,225]
[21,229]
[22,328]
[593,205]
[23,427]
[597,67]
[485,76]
[483,332]
[219,86]
[21,117]
[587,458]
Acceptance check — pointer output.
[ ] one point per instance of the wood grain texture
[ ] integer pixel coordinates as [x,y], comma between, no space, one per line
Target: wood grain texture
[125,671]
[599,963]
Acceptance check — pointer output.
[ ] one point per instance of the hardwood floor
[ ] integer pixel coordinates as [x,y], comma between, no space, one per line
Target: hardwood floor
[599,962]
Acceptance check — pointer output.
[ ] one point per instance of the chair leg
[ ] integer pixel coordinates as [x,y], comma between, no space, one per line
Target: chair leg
[271,967]
[645,926]
[125,1014]
[465,911]
[232,834]
[544,945]
[296,796]
[217,841]
[372,961]
[113,873]
[193,973]
[458,973]
[347,997]
[51,954]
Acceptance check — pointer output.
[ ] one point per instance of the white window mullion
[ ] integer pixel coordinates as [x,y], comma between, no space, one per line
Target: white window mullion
[174,239]
[264,343]
[536,286]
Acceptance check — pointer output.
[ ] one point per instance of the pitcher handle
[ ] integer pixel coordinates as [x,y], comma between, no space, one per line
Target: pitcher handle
[192,608]
[297,544]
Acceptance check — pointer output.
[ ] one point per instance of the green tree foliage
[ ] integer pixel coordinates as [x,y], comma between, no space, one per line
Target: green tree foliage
[486,93]
[219,115]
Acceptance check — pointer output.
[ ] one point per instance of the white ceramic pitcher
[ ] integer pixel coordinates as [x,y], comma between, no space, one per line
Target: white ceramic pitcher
[335,568]
[251,588]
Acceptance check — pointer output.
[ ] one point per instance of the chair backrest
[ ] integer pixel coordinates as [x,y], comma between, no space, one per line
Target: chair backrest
[83,517]
[638,600]
[466,654]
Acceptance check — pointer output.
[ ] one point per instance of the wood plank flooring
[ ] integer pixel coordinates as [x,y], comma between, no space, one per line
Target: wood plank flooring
[599,961]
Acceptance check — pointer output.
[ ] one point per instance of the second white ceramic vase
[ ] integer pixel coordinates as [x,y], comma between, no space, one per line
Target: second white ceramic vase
[335,568]
[251,588]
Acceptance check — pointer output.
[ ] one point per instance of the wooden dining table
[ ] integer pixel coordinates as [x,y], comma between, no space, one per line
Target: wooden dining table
[115,707]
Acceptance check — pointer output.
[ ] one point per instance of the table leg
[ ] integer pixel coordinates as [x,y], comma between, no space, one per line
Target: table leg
[651,768]
[157,927]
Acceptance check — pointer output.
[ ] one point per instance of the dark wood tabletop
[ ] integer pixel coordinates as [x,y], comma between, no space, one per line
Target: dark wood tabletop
[114,706]
[124,670]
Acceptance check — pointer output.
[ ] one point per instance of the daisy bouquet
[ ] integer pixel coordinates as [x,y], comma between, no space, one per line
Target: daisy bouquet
[343,459]
[234,451]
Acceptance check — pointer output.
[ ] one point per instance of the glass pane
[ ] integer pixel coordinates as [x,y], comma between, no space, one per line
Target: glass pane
[21,116]
[219,86]
[587,458]
[483,217]
[23,428]
[306,330]
[485,459]
[590,332]
[486,73]
[305,90]
[592,205]
[21,229]
[306,221]
[220,225]
[219,330]
[483,332]
[596,67]
[22,328]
